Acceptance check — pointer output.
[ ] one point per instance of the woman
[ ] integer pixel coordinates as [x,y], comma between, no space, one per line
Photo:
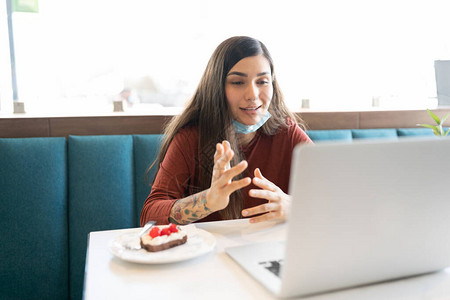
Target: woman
[229,153]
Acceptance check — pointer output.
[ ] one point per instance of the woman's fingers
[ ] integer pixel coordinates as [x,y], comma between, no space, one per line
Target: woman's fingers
[258,173]
[268,211]
[223,161]
[222,164]
[222,150]
[263,208]
[226,177]
[236,170]
[236,185]
[222,184]
[277,205]
[227,147]
[263,183]
[219,152]
[276,215]
[222,171]
[265,194]
[268,190]
[223,174]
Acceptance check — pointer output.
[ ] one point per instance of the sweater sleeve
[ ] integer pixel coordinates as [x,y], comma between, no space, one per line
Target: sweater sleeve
[298,135]
[173,180]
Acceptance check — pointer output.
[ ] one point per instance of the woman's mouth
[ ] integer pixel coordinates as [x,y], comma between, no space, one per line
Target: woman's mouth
[250,109]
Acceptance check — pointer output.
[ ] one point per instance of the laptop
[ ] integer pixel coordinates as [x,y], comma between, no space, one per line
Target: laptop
[362,212]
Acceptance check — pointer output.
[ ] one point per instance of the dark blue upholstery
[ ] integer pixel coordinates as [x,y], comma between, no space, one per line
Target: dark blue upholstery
[146,149]
[34,253]
[101,194]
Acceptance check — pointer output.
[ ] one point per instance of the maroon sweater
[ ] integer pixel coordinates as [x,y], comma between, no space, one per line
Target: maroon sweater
[179,170]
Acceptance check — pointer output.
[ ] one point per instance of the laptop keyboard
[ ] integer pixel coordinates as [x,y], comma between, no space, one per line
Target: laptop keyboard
[273,266]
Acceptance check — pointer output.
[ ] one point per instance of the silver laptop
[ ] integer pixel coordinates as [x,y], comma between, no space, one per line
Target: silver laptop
[362,212]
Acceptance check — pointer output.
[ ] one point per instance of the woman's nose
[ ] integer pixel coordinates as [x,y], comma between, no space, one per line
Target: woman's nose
[251,92]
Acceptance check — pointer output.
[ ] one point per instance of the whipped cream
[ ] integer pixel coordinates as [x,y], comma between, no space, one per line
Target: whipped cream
[147,239]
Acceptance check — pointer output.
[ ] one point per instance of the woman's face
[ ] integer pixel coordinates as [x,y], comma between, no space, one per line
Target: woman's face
[249,89]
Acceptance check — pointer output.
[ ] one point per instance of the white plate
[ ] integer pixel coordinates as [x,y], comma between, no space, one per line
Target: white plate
[199,242]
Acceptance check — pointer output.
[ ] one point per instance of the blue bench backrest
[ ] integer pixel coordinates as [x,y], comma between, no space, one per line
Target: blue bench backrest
[34,256]
[351,134]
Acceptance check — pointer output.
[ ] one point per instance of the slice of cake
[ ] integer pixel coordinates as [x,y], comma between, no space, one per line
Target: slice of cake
[163,237]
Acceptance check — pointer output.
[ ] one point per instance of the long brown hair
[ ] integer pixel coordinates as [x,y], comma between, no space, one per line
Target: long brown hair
[208,110]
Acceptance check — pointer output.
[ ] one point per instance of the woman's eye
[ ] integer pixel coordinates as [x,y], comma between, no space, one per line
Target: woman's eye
[263,82]
[237,82]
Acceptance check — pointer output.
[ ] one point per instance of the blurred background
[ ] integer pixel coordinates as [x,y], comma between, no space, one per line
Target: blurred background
[77,57]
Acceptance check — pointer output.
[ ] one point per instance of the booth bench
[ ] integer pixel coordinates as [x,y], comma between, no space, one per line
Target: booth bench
[55,190]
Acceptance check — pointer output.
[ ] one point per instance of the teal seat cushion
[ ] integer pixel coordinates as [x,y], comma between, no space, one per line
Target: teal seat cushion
[33,219]
[101,194]
[417,131]
[385,133]
[411,132]
[327,135]
[146,149]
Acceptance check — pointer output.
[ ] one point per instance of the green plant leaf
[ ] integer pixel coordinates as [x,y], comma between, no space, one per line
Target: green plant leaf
[427,126]
[444,118]
[436,131]
[435,118]
[446,133]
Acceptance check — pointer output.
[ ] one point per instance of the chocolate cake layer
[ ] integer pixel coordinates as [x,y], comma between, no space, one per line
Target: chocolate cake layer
[164,246]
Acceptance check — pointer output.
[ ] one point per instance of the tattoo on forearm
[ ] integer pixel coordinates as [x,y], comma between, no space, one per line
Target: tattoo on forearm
[190,209]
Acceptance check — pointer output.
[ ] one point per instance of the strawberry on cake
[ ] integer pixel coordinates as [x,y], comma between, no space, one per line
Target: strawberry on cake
[163,237]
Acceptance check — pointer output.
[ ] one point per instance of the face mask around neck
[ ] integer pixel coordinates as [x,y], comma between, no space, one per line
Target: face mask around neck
[245,129]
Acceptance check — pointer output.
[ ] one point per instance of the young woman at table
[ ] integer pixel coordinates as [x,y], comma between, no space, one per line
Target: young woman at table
[229,153]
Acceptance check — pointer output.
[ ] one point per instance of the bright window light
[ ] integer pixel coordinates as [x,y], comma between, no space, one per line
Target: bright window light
[77,56]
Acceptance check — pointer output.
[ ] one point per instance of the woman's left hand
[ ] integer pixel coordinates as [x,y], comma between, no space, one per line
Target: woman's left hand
[278,204]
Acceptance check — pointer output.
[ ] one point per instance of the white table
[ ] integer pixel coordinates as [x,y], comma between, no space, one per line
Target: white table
[216,276]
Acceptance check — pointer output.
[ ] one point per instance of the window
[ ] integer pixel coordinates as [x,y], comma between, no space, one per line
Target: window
[5,70]
[78,56]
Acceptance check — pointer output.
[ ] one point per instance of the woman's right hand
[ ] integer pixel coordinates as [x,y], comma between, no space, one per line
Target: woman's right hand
[218,195]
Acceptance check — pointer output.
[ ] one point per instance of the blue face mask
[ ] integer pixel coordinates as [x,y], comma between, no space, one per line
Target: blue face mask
[241,128]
